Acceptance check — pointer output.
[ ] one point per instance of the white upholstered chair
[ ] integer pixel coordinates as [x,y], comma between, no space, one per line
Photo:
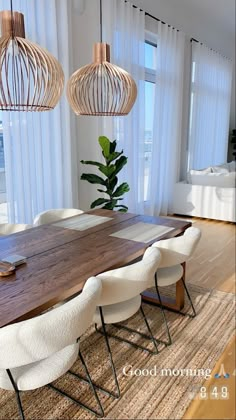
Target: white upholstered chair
[10,228]
[36,352]
[175,252]
[54,215]
[121,298]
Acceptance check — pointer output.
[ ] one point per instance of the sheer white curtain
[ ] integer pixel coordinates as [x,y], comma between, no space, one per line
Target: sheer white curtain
[41,170]
[164,165]
[210,107]
[124,29]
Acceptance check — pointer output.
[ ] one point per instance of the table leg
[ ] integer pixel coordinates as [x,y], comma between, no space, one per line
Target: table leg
[176,304]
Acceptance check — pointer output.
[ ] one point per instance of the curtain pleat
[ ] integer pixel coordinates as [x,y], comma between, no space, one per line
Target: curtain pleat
[165,161]
[210,107]
[124,29]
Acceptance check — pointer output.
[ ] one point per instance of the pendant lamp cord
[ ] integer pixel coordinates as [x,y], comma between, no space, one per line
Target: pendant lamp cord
[12,20]
[100,20]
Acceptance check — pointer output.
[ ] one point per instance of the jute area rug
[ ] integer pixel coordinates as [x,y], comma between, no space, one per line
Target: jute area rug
[197,344]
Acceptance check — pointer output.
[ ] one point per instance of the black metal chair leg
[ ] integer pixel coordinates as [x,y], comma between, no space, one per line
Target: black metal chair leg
[91,383]
[190,300]
[117,394]
[149,329]
[132,331]
[163,313]
[88,381]
[17,393]
[64,394]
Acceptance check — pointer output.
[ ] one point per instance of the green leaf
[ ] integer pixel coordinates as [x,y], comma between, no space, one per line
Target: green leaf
[90,162]
[119,164]
[105,145]
[93,179]
[113,156]
[113,146]
[108,170]
[122,189]
[98,202]
[110,205]
[112,184]
[122,209]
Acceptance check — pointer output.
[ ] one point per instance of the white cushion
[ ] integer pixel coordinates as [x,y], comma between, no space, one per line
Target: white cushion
[169,275]
[193,172]
[221,169]
[215,179]
[40,373]
[119,311]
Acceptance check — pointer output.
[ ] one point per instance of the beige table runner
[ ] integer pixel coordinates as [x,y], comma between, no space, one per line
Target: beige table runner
[142,232]
[82,222]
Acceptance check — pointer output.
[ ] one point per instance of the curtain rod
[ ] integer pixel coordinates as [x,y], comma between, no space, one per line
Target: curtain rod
[211,49]
[151,16]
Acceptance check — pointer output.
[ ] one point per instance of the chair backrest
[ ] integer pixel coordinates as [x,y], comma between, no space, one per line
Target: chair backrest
[53,215]
[38,338]
[10,228]
[126,282]
[178,250]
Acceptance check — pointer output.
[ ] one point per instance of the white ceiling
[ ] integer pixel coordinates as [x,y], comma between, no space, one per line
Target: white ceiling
[210,21]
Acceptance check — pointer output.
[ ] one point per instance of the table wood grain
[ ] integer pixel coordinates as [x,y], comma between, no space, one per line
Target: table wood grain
[61,260]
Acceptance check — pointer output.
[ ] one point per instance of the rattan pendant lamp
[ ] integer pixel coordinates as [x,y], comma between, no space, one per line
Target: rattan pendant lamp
[31,79]
[101,88]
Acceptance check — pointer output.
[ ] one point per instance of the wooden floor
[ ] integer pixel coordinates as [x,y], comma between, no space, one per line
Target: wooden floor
[218,388]
[213,266]
[213,263]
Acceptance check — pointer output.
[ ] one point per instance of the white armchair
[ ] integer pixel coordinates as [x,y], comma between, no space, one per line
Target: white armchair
[54,215]
[175,252]
[121,298]
[10,228]
[36,352]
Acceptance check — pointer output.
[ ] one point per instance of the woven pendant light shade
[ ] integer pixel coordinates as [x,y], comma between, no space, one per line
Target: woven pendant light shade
[31,79]
[101,88]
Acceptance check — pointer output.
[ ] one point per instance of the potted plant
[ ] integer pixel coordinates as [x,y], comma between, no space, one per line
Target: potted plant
[114,162]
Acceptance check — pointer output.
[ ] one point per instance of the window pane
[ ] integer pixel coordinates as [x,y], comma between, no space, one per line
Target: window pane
[150,56]
[149,116]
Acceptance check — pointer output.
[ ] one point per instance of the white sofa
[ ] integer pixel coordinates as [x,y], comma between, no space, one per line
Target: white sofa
[209,193]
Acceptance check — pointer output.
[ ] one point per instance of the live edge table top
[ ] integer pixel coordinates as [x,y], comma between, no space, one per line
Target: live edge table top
[60,260]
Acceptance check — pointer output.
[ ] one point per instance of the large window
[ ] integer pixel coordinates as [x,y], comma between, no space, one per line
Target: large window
[150,77]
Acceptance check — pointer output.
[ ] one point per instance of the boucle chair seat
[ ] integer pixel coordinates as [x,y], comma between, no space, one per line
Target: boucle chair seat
[54,215]
[10,228]
[169,275]
[41,373]
[118,312]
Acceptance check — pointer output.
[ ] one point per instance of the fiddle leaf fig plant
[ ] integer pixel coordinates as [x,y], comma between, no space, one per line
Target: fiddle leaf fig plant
[114,162]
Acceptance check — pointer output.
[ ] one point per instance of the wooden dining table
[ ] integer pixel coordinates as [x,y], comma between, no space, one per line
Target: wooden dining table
[61,257]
